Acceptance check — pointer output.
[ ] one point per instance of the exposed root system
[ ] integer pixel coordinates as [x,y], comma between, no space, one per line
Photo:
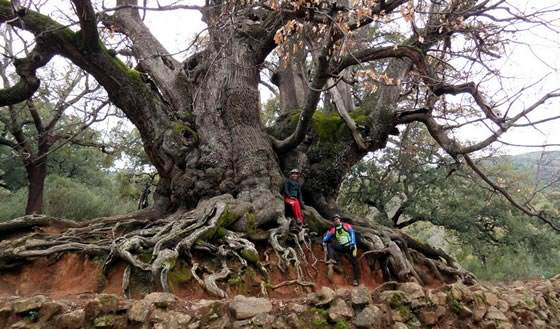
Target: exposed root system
[154,244]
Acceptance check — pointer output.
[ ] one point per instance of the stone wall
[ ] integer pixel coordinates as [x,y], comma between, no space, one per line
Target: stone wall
[529,304]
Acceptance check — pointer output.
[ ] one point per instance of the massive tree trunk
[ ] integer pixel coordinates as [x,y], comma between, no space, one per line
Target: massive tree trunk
[233,153]
[220,172]
[36,174]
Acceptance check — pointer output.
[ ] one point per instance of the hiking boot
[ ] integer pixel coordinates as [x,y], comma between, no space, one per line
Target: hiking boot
[355,283]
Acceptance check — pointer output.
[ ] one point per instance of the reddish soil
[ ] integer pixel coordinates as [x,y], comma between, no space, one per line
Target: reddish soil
[73,275]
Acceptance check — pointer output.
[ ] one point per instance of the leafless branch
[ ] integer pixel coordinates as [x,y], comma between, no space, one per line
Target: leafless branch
[504,193]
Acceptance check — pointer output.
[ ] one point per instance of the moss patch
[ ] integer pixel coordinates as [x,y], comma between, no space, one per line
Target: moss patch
[180,274]
[251,222]
[250,255]
[181,128]
[132,73]
[341,324]
[319,318]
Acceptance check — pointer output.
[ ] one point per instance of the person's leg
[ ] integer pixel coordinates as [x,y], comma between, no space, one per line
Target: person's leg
[298,214]
[354,261]
[291,207]
[331,251]
[355,267]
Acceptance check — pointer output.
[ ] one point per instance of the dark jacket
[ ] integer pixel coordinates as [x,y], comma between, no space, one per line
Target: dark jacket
[293,189]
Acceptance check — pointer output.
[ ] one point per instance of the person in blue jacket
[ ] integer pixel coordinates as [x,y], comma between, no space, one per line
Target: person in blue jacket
[341,239]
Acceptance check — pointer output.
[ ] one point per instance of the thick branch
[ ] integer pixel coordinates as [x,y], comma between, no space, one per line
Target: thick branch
[26,68]
[453,147]
[313,96]
[151,55]
[88,23]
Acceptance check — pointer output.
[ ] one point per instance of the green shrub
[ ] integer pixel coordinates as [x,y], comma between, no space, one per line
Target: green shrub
[69,199]
[12,205]
[509,265]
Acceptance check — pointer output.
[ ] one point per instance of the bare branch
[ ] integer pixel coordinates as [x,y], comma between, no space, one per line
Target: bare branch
[146,8]
[508,196]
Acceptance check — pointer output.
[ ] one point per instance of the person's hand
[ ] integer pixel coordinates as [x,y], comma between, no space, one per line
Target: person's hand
[324,245]
[354,250]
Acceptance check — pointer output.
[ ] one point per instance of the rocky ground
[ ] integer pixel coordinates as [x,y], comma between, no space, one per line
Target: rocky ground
[529,304]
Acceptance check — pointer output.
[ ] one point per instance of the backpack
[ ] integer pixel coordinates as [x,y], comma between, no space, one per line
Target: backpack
[342,235]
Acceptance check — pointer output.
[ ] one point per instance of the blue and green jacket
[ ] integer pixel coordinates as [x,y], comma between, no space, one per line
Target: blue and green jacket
[345,236]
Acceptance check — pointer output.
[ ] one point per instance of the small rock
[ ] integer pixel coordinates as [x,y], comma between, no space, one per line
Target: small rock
[24,324]
[105,321]
[539,324]
[401,314]
[495,314]
[241,323]
[72,320]
[108,303]
[294,322]
[194,325]
[394,298]
[458,291]
[479,310]
[159,315]
[221,323]
[247,307]
[489,325]
[505,325]
[322,297]
[369,317]
[5,313]
[491,299]
[412,289]
[502,305]
[542,314]
[298,308]
[182,319]
[428,315]
[399,325]
[438,297]
[512,300]
[280,323]
[340,310]
[28,304]
[139,311]
[102,304]
[49,309]
[161,299]
[111,321]
[203,304]
[342,293]
[263,320]
[360,296]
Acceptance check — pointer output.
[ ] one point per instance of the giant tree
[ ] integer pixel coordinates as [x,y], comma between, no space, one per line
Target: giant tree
[220,170]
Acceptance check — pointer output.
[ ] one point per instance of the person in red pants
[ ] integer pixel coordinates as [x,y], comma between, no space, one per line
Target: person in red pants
[292,195]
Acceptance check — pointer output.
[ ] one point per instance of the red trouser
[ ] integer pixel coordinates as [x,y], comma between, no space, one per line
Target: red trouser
[296,207]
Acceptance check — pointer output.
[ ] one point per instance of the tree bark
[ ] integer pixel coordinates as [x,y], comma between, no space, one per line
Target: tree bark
[36,174]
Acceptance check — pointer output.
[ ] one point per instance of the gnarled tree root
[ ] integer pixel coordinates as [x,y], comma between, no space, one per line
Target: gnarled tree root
[155,244]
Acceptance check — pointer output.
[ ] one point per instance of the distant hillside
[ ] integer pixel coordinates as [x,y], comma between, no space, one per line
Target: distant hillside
[545,165]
